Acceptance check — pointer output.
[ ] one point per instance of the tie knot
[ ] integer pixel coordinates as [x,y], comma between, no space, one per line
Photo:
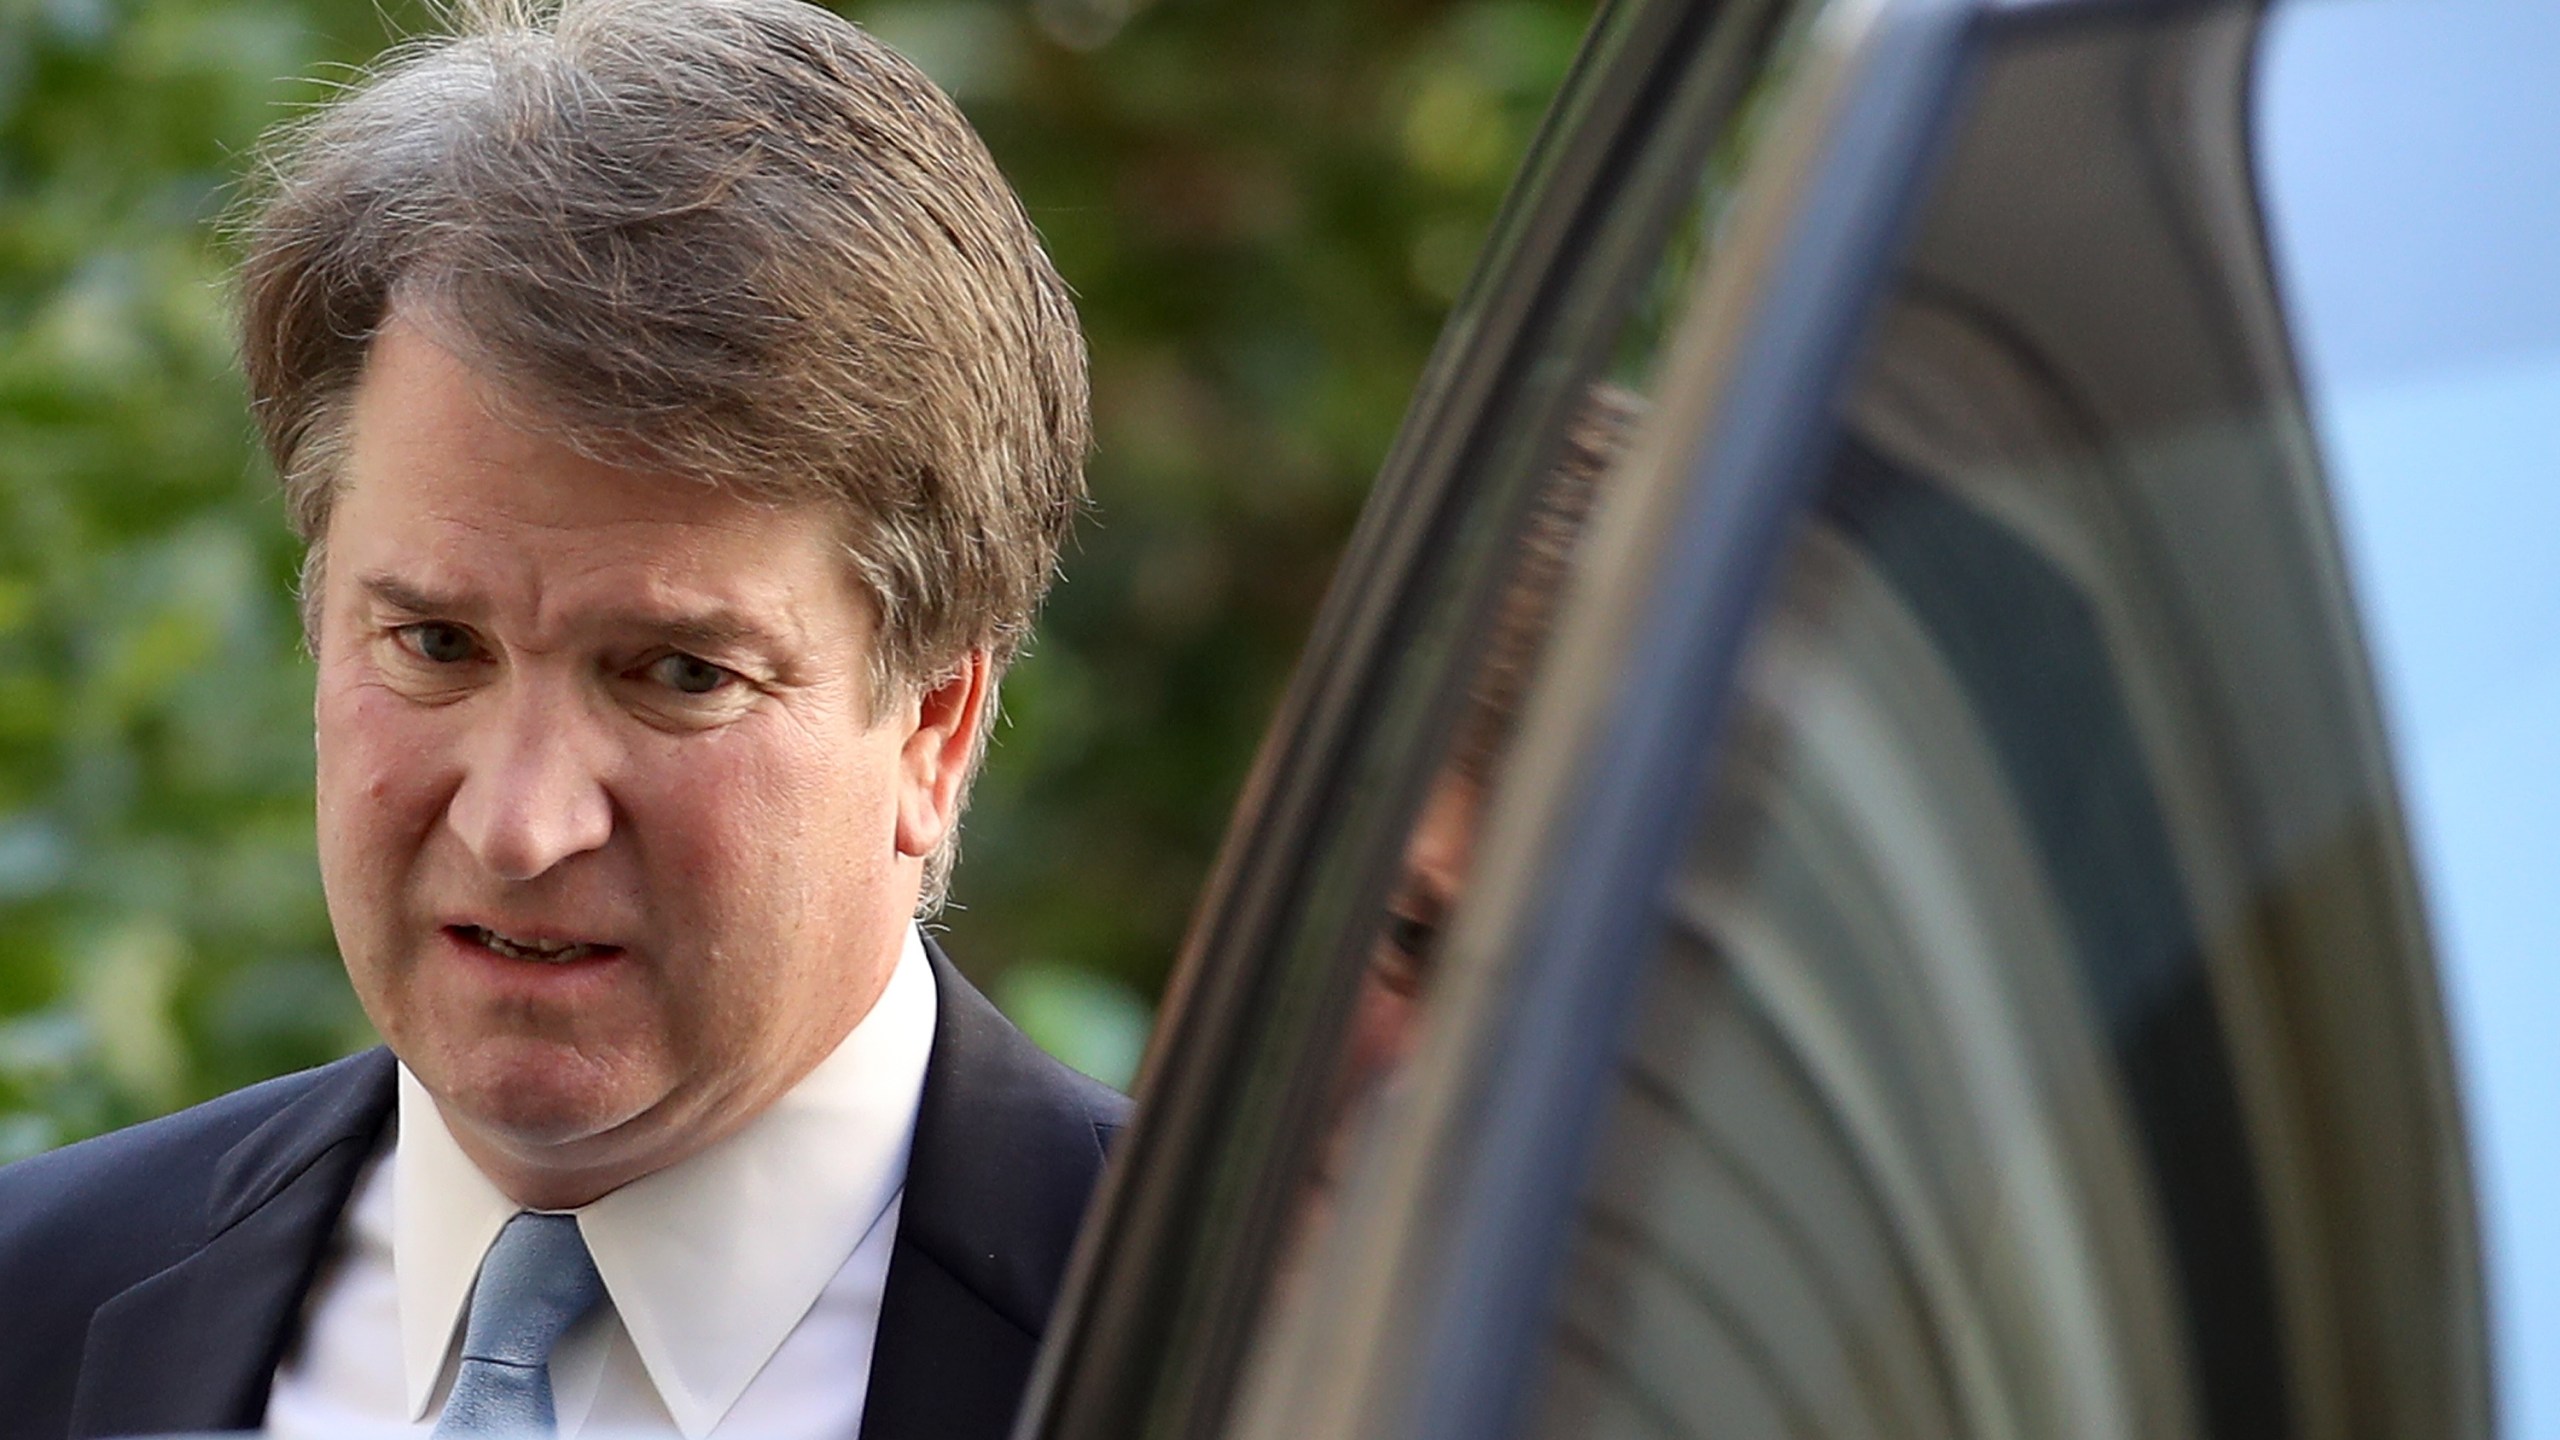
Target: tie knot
[535,1283]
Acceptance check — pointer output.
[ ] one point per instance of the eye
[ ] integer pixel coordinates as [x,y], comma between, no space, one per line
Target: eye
[1403,959]
[687,674]
[1411,935]
[437,643]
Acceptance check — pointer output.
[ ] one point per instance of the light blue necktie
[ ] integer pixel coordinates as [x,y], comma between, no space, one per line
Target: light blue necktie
[537,1280]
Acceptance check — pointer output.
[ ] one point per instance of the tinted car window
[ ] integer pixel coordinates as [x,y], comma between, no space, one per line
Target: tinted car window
[1314,959]
[1607,419]
[1419,1312]
[2043,1037]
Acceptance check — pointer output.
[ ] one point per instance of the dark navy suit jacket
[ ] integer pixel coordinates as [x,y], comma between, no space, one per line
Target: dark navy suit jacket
[152,1279]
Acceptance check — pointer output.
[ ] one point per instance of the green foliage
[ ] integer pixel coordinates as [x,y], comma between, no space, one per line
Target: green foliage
[1264,208]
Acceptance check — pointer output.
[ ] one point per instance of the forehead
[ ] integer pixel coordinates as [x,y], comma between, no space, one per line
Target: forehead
[444,487]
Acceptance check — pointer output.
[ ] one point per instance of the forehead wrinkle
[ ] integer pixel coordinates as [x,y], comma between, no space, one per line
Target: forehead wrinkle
[562,501]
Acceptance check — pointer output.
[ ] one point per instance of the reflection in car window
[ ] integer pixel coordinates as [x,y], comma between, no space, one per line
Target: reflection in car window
[2042,1040]
[1313,962]
[1439,853]
[1619,346]
[2415,221]
[1935,877]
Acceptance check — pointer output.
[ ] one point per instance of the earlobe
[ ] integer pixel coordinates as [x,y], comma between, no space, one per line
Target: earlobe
[941,751]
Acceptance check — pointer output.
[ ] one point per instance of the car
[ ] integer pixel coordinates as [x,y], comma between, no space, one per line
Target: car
[1989,882]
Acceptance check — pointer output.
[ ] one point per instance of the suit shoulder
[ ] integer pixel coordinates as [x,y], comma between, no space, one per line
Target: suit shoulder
[1009,1142]
[984,1053]
[1088,1114]
[86,1223]
[1106,1109]
[144,1187]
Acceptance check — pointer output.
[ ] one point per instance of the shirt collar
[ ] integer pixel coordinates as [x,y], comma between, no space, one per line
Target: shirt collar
[712,1261]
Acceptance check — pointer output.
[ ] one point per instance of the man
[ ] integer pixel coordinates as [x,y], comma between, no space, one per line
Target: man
[684,423]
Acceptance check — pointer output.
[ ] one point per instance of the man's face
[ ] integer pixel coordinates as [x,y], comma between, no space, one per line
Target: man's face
[614,849]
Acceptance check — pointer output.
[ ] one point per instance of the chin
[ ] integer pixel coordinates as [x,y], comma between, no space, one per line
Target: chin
[532,1096]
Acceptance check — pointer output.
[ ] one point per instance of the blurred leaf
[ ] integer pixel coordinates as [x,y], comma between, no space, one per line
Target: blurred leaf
[1093,1024]
[125,993]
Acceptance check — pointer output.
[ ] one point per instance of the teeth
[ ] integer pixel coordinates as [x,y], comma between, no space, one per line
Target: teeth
[526,950]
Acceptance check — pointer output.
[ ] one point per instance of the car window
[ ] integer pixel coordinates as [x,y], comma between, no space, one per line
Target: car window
[1315,957]
[2415,222]
[1403,1318]
[2042,1036]
[1603,423]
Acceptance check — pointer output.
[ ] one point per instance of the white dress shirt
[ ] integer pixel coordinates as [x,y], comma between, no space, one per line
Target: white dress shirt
[743,1283]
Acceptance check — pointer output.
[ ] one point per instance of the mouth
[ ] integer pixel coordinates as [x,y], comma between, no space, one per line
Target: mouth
[534,950]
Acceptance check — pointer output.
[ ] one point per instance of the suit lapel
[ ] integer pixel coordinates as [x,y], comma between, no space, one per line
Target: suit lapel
[1005,1155]
[195,1347]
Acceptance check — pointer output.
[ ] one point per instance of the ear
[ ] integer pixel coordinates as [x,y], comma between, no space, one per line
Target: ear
[936,757]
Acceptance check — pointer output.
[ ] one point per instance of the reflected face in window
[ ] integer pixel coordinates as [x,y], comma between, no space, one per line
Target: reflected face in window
[1436,861]
[1439,852]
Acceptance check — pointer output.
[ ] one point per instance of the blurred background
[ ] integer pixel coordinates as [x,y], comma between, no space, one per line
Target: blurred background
[1264,207]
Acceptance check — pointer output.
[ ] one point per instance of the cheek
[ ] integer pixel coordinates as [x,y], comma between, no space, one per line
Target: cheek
[1382,1027]
[779,803]
[380,776]
[778,845]
[376,800]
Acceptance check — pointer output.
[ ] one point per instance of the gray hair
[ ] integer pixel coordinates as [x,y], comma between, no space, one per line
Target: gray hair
[734,240]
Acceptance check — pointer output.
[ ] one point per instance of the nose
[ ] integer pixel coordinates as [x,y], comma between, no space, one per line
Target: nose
[532,792]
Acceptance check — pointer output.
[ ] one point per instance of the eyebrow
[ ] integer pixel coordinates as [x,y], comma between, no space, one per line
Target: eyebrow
[715,629]
[401,595]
